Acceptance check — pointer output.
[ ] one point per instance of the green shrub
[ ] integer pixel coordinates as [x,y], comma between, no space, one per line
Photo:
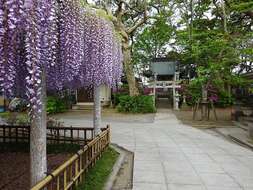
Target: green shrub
[116,98]
[136,104]
[55,105]
[225,100]
[15,118]
[193,93]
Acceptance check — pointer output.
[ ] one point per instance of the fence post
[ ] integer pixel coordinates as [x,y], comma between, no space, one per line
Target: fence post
[71,134]
[108,134]
[4,133]
[16,134]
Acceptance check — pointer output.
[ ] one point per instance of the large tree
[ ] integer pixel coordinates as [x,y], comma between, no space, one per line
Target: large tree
[129,16]
[153,41]
[215,38]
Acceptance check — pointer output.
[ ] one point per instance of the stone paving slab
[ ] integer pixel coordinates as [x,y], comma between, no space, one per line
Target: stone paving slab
[190,158]
[172,156]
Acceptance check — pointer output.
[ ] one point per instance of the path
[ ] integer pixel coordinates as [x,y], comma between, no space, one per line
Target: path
[173,156]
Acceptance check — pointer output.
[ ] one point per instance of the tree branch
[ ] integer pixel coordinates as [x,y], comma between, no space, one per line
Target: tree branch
[138,24]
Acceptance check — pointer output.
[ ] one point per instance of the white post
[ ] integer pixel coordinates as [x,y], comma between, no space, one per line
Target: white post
[154,88]
[176,107]
[97,110]
[174,91]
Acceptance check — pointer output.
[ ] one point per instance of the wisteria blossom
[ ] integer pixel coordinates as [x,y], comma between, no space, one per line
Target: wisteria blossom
[51,45]
[71,45]
[98,51]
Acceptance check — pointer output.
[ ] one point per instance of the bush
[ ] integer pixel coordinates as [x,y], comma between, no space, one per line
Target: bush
[225,100]
[55,105]
[136,104]
[15,118]
[193,93]
[116,98]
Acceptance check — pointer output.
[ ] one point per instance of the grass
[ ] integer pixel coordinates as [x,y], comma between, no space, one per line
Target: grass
[4,114]
[51,148]
[20,118]
[96,178]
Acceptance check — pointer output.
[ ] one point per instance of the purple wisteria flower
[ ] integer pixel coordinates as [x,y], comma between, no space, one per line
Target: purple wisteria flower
[60,40]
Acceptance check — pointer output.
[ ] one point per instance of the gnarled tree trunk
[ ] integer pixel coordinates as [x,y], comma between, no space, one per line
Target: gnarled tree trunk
[129,71]
[126,33]
[38,138]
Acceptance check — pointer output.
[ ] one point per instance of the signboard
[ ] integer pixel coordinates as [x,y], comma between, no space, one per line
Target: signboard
[163,68]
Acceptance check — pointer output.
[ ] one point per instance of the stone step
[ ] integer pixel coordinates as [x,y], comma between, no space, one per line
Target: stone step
[83,106]
[249,119]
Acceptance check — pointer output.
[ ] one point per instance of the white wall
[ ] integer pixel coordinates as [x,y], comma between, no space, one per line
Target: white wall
[105,94]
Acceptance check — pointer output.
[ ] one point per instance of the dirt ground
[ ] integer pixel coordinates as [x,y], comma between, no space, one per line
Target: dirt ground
[223,114]
[14,173]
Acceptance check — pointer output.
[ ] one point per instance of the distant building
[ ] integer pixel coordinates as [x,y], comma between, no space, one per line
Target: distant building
[165,81]
[84,97]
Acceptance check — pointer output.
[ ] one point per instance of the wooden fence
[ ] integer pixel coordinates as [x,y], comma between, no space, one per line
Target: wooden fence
[77,135]
[72,172]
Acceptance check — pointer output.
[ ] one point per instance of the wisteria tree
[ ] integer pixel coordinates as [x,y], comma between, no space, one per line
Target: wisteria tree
[44,45]
[103,59]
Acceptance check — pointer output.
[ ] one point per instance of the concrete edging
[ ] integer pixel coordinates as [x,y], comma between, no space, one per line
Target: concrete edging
[117,166]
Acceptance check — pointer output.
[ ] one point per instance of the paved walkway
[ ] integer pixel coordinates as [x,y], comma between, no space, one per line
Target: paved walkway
[172,156]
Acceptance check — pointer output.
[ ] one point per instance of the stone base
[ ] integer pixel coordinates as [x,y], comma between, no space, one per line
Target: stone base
[251,131]
[185,107]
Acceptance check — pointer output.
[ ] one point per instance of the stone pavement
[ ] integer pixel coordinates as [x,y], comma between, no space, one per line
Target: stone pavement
[173,156]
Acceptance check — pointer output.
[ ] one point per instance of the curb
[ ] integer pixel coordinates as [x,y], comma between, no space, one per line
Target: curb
[117,166]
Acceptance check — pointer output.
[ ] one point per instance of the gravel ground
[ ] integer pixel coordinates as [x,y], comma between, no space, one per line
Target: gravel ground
[224,118]
[14,173]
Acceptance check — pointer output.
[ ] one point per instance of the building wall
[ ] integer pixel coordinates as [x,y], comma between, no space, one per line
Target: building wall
[1,104]
[105,95]
[1,101]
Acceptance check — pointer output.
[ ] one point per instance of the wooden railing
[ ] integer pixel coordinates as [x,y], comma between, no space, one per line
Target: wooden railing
[77,135]
[72,172]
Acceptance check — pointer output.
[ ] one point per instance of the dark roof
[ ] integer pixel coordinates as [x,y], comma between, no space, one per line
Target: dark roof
[248,75]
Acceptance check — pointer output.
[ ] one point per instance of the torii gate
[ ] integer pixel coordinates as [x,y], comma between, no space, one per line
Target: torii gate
[167,69]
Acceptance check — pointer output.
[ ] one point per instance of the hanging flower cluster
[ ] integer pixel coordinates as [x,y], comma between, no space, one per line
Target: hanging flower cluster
[100,51]
[10,23]
[70,46]
[40,35]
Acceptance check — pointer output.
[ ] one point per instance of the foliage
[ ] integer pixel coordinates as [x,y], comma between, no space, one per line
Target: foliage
[116,97]
[215,41]
[152,41]
[98,175]
[193,93]
[55,105]
[225,99]
[136,104]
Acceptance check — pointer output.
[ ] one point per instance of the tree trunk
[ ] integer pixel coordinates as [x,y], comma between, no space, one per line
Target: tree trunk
[38,152]
[97,110]
[224,17]
[129,71]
